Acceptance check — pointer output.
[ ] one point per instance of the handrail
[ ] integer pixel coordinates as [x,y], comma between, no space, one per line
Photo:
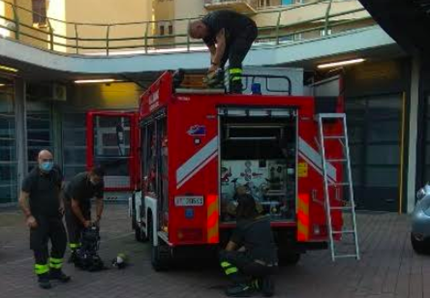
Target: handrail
[47,38]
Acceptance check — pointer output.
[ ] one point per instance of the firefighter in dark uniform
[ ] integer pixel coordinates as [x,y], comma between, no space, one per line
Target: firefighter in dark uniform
[250,257]
[43,208]
[78,194]
[229,36]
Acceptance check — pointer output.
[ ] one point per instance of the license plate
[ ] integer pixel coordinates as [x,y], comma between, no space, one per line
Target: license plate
[189,201]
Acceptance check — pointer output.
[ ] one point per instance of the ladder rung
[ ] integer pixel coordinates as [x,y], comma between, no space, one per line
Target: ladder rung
[337,160]
[341,208]
[343,232]
[344,256]
[339,184]
[334,137]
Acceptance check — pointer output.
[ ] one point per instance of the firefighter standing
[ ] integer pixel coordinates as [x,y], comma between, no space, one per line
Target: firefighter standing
[78,194]
[250,270]
[229,36]
[43,208]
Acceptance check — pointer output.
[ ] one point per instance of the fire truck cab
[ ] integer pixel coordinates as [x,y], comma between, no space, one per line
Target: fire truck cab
[200,149]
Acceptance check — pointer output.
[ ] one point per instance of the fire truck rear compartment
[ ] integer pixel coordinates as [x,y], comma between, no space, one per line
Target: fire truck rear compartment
[259,156]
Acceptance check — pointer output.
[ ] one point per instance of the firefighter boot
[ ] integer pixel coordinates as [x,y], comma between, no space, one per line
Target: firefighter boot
[73,257]
[43,280]
[236,85]
[215,79]
[239,290]
[267,286]
[58,274]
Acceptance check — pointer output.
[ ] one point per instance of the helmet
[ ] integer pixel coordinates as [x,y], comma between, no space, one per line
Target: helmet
[120,261]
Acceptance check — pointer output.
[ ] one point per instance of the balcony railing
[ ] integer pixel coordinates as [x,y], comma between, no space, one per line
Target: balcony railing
[275,28]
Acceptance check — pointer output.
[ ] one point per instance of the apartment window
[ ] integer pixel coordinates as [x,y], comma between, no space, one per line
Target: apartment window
[162,30]
[39,12]
[170,29]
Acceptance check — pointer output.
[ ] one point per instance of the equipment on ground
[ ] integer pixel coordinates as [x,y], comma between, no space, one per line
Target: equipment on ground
[120,262]
[87,257]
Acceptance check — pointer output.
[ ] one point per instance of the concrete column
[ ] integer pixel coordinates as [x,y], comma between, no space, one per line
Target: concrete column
[21,129]
[413,134]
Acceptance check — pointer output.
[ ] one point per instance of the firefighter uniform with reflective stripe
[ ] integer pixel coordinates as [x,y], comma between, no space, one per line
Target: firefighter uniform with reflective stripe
[44,200]
[82,190]
[252,267]
[240,33]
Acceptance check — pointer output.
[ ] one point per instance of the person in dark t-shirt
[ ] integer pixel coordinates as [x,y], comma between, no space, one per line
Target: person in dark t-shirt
[78,194]
[250,270]
[43,208]
[229,36]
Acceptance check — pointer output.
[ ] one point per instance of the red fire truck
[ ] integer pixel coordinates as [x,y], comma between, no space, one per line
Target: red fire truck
[199,148]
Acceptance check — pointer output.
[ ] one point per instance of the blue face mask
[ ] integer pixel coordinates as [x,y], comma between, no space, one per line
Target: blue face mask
[46,166]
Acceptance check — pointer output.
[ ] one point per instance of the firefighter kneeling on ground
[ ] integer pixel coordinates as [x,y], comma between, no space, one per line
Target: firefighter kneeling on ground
[78,194]
[250,270]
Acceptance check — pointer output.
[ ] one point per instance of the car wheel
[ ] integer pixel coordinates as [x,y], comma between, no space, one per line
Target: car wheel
[418,246]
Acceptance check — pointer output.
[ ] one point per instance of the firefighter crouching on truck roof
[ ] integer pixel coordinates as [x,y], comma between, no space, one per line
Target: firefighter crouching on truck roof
[251,269]
[43,208]
[229,36]
[78,194]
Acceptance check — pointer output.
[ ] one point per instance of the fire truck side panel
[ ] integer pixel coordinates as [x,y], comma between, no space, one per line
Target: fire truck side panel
[193,170]
[311,216]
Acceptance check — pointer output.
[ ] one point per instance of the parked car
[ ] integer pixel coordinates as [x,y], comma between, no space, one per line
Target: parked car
[420,234]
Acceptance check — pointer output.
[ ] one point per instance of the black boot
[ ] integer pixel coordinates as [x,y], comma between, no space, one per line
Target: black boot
[58,274]
[239,290]
[73,257]
[216,80]
[43,280]
[236,87]
[267,286]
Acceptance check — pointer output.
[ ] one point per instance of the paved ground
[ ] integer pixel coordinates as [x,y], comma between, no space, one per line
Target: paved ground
[388,268]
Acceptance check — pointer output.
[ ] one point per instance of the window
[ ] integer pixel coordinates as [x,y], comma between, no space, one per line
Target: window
[162,30]
[170,29]
[74,144]
[39,12]
[8,163]
[265,3]
[148,157]
[39,130]
[323,32]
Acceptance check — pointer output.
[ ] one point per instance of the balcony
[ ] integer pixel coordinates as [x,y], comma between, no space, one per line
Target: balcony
[241,6]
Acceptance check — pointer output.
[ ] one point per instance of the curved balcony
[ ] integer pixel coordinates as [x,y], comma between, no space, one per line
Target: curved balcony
[88,48]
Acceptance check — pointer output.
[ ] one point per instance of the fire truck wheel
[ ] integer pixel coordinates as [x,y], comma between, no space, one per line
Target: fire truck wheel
[159,260]
[289,259]
[160,253]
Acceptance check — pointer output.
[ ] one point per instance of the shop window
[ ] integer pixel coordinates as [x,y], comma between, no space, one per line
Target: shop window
[382,176]
[39,130]
[74,144]
[8,163]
